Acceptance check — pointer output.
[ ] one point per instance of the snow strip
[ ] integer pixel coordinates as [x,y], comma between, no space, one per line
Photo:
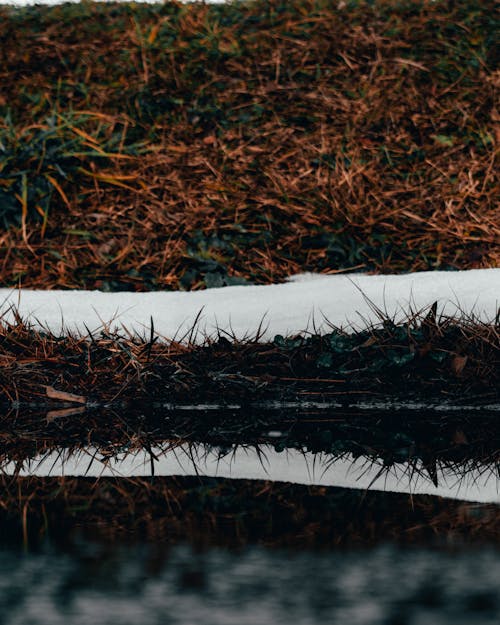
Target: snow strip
[304,303]
[478,484]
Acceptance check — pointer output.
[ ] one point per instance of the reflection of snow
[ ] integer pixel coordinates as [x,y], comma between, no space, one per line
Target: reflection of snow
[299,305]
[479,483]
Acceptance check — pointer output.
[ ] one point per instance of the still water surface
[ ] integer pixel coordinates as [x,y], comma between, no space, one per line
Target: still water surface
[468,481]
[89,583]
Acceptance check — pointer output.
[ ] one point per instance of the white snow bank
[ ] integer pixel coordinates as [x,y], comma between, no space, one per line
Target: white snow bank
[302,304]
[479,484]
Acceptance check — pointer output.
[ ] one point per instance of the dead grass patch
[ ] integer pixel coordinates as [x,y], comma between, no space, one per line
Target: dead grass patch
[248,141]
[429,358]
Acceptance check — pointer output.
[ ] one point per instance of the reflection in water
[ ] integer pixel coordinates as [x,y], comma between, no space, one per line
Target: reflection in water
[148,584]
[471,481]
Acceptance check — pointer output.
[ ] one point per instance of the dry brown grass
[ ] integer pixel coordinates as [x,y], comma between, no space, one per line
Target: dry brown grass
[429,358]
[275,139]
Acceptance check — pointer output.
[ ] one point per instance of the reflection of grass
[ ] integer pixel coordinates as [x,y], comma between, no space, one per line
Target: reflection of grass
[374,150]
[421,441]
[463,446]
[457,467]
[207,510]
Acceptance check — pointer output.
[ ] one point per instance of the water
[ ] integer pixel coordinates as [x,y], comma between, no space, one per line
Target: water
[89,583]
[72,580]
[471,481]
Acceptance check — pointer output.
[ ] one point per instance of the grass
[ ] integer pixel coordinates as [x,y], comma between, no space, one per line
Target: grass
[177,146]
[429,358]
[117,394]
[172,146]
[39,160]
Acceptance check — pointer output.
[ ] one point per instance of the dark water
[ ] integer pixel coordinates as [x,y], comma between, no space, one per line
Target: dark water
[141,585]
